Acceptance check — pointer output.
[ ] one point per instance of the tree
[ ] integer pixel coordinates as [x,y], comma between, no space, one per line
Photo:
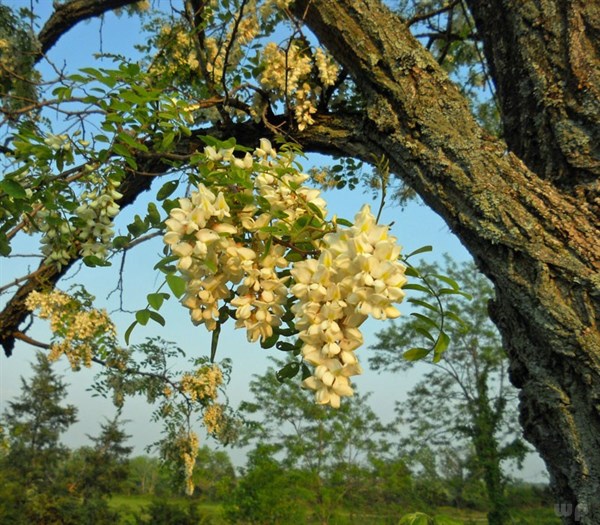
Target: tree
[525,205]
[214,474]
[464,398]
[99,471]
[34,487]
[146,477]
[268,492]
[330,450]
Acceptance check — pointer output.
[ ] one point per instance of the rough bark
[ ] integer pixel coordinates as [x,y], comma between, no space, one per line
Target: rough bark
[537,242]
[544,57]
[67,15]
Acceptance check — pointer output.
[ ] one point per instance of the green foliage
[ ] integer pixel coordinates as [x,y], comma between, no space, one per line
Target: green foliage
[214,475]
[330,448]
[271,493]
[464,395]
[42,482]
[35,422]
[417,518]
[161,512]
[18,79]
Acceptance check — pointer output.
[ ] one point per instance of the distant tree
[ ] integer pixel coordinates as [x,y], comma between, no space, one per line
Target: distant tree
[162,512]
[464,399]
[147,476]
[99,471]
[34,489]
[332,446]
[214,475]
[268,492]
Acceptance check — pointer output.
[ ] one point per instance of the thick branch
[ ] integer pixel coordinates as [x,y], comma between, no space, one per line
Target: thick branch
[544,57]
[67,15]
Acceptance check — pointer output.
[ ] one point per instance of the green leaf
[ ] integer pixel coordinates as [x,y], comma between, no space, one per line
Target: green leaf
[417,287]
[93,261]
[142,317]
[411,271]
[13,189]
[440,346]
[130,141]
[155,300]
[153,214]
[306,372]
[176,284]
[414,354]
[156,317]
[292,256]
[167,140]
[448,280]
[286,347]
[424,304]
[214,342]
[344,222]
[425,333]
[269,342]
[164,262]
[121,150]
[288,371]
[211,265]
[455,317]
[5,248]
[422,249]
[129,330]
[426,320]
[121,241]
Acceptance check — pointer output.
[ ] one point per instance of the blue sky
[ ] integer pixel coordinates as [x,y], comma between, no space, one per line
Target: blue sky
[414,226]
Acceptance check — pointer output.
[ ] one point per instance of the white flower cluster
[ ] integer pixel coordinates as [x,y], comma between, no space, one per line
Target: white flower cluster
[58,142]
[284,70]
[56,239]
[289,73]
[218,249]
[232,250]
[82,331]
[96,215]
[327,68]
[356,275]
[188,446]
[91,232]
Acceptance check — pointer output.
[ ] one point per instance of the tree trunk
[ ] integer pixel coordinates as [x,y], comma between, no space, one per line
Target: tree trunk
[527,212]
[485,427]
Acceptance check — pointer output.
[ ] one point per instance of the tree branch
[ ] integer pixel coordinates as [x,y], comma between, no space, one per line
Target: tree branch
[69,14]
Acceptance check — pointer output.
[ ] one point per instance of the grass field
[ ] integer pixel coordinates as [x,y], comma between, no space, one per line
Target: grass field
[129,506]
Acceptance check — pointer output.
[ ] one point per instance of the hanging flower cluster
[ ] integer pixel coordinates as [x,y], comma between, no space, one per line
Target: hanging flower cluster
[82,331]
[255,243]
[188,444]
[89,232]
[203,384]
[356,275]
[218,250]
[288,73]
[95,219]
